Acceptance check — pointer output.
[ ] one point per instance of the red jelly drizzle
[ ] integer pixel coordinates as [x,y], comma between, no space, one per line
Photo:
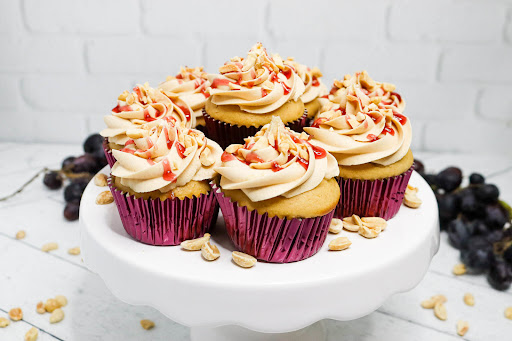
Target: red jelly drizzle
[168,174]
[137,91]
[167,140]
[197,83]
[123,108]
[401,118]
[372,137]
[287,73]
[227,157]
[264,92]
[130,141]
[273,77]
[205,93]
[179,76]
[219,82]
[318,121]
[150,161]
[397,96]
[333,90]
[149,142]
[376,119]
[185,110]
[253,157]
[286,89]
[128,150]
[319,152]
[315,82]
[181,149]
[147,117]
[304,163]
[275,166]
[389,130]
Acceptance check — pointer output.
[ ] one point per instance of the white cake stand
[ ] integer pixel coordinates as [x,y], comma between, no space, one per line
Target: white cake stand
[221,301]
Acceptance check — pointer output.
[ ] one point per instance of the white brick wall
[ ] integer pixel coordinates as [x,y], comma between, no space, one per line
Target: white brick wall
[64,62]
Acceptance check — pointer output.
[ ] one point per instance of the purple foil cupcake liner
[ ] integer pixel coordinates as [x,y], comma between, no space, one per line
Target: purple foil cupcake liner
[167,222]
[372,198]
[226,134]
[108,153]
[272,239]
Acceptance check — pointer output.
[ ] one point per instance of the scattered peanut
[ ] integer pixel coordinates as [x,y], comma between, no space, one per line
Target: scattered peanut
[243,260]
[195,244]
[49,247]
[61,300]
[51,304]
[57,315]
[440,311]
[339,244]
[410,198]
[462,327]
[375,222]
[469,299]
[100,180]
[32,334]
[40,308]
[104,198]
[147,324]
[15,314]
[508,313]
[210,251]
[336,226]
[4,322]
[367,232]
[75,251]
[431,302]
[459,269]
[20,234]
[352,223]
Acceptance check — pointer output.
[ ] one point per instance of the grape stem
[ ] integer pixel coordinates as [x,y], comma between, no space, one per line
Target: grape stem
[19,190]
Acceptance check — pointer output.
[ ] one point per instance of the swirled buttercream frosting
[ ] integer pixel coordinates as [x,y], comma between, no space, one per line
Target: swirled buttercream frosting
[383,94]
[313,86]
[143,105]
[191,85]
[258,84]
[275,162]
[161,155]
[358,130]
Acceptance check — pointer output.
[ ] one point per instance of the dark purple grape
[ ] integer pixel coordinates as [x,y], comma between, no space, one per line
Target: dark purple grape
[470,206]
[85,164]
[496,216]
[73,192]
[487,193]
[431,179]
[494,236]
[476,179]
[53,180]
[459,233]
[72,210]
[93,144]
[479,227]
[448,205]
[507,255]
[418,166]
[477,254]
[499,276]
[449,179]
[67,164]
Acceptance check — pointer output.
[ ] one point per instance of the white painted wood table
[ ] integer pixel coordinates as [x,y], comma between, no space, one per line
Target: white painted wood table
[28,275]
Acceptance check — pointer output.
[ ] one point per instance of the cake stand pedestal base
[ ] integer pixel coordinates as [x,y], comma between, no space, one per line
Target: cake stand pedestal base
[315,332]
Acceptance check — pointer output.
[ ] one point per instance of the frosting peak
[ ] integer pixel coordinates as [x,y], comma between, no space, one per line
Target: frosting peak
[314,88]
[258,83]
[276,161]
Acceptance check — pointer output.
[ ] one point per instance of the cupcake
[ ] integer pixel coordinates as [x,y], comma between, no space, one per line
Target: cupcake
[191,85]
[382,93]
[277,193]
[314,91]
[370,139]
[248,92]
[160,183]
[143,105]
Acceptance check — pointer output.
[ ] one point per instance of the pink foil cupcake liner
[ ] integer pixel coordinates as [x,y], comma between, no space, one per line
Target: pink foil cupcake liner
[372,198]
[272,239]
[226,134]
[108,153]
[167,222]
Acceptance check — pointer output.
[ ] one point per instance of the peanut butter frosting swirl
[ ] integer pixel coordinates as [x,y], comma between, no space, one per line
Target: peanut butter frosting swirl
[275,162]
[191,85]
[161,155]
[382,94]
[141,106]
[357,129]
[313,86]
[258,83]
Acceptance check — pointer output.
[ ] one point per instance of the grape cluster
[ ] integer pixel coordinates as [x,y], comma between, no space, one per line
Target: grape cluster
[78,171]
[477,223]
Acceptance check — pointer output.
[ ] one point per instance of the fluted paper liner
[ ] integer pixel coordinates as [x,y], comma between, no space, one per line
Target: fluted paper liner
[226,134]
[372,198]
[108,153]
[167,222]
[272,239]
